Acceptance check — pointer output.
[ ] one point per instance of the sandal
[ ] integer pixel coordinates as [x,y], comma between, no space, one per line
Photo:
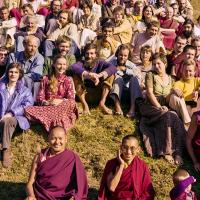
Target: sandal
[169,159]
[7,161]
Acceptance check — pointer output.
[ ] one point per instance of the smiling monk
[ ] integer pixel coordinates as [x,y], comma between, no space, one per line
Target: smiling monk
[126,177]
[57,173]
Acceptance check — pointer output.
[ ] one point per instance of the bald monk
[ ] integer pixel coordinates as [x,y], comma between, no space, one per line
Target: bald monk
[126,177]
[57,173]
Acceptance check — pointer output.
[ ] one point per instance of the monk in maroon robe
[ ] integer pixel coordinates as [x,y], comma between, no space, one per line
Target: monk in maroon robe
[193,140]
[168,29]
[126,177]
[57,173]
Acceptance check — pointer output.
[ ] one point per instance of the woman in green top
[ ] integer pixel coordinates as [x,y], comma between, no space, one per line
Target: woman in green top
[163,132]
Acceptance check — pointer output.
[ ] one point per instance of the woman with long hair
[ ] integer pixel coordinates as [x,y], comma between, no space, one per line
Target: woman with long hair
[14,98]
[56,99]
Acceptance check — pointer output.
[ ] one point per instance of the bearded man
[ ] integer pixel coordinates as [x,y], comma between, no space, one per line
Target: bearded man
[93,76]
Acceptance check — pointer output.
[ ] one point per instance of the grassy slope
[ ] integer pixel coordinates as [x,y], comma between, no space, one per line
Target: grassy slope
[95,138]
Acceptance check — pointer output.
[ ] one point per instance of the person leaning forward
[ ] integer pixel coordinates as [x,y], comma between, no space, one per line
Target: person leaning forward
[91,76]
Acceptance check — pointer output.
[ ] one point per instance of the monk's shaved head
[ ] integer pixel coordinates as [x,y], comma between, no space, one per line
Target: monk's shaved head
[129,137]
[57,129]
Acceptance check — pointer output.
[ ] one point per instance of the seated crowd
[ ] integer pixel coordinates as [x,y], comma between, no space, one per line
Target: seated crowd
[143,53]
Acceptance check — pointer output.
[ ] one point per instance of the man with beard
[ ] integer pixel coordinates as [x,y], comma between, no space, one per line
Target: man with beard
[127,78]
[63,45]
[92,77]
[3,60]
[50,21]
[63,27]
[187,30]
[185,9]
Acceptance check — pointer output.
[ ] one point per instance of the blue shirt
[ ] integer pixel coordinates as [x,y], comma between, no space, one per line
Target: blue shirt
[33,67]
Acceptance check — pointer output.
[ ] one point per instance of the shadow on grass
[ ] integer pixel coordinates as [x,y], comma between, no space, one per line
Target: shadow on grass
[16,191]
[10,190]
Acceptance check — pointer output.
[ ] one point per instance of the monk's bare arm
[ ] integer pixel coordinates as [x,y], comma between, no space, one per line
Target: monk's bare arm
[190,135]
[113,179]
[31,180]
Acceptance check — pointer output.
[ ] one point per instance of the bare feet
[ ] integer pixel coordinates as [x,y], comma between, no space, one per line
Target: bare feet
[7,161]
[169,159]
[178,160]
[130,115]
[105,109]
[86,111]
[118,111]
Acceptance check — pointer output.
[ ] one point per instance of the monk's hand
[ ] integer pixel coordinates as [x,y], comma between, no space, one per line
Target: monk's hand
[120,159]
[178,93]
[197,166]
[94,77]
[30,198]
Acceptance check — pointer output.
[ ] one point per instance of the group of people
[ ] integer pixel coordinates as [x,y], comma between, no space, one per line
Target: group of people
[146,51]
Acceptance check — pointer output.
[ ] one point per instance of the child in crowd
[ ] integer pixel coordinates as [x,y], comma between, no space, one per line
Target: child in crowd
[182,186]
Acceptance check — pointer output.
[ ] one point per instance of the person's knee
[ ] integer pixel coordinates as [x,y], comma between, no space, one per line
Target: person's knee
[8,121]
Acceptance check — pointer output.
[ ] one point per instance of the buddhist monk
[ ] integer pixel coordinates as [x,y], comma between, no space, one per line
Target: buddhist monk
[57,173]
[126,177]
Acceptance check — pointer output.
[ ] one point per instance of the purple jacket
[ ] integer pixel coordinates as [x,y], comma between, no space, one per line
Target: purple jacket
[101,65]
[22,98]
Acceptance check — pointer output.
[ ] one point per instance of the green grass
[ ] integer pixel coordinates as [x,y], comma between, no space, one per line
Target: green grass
[95,138]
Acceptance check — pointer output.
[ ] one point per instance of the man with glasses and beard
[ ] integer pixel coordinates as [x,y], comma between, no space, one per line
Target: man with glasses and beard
[93,76]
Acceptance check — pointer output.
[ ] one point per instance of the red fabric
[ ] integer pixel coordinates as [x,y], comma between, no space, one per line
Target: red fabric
[65,89]
[65,114]
[15,12]
[61,177]
[67,4]
[142,187]
[43,11]
[196,139]
[169,37]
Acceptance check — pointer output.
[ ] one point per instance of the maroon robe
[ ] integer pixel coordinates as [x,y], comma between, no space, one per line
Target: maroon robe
[61,177]
[196,139]
[168,36]
[174,61]
[135,182]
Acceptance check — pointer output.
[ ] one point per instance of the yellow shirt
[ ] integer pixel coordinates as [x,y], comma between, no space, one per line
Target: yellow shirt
[187,87]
